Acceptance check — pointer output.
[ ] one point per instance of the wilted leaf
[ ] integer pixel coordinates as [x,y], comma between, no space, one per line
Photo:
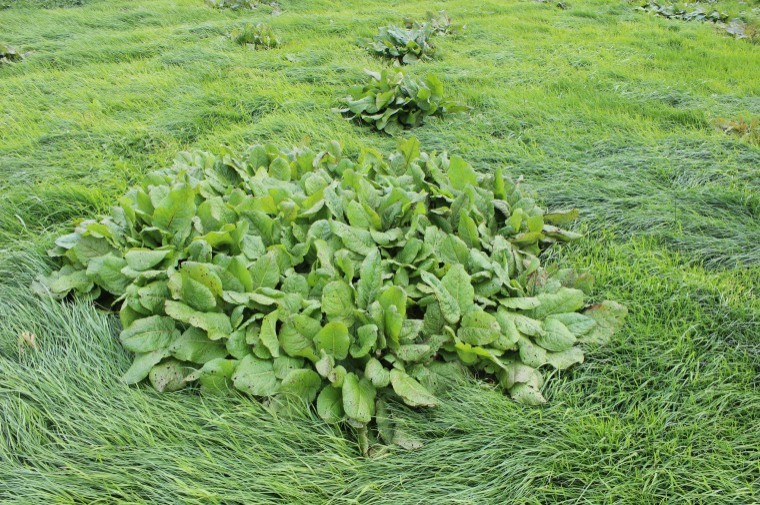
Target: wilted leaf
[167,376]
[142,365]
[527,395]
[412,392]
[565,359]
[609,317]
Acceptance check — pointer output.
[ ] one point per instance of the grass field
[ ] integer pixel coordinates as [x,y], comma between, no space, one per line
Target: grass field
[598,106]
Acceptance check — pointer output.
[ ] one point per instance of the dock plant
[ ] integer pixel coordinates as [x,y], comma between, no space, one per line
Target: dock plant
[300,276]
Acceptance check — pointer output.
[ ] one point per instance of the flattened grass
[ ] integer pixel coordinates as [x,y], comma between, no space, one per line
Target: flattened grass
[598,106]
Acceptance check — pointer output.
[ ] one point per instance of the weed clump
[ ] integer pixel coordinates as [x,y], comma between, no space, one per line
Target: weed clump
[260,36]
[737,28]
[741,30]
[9,54]
[436,23]
[392,101]
[404,45]
[673,12]
[299,276]
[243,5]
[413,41]
[745,128]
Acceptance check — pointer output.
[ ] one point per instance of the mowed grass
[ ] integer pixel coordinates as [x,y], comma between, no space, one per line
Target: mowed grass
[597,106]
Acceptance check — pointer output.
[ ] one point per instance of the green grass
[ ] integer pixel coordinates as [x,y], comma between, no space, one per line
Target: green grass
[598,106]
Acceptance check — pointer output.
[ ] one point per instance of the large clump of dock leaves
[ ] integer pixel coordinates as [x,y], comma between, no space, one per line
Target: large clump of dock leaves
[299,276]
